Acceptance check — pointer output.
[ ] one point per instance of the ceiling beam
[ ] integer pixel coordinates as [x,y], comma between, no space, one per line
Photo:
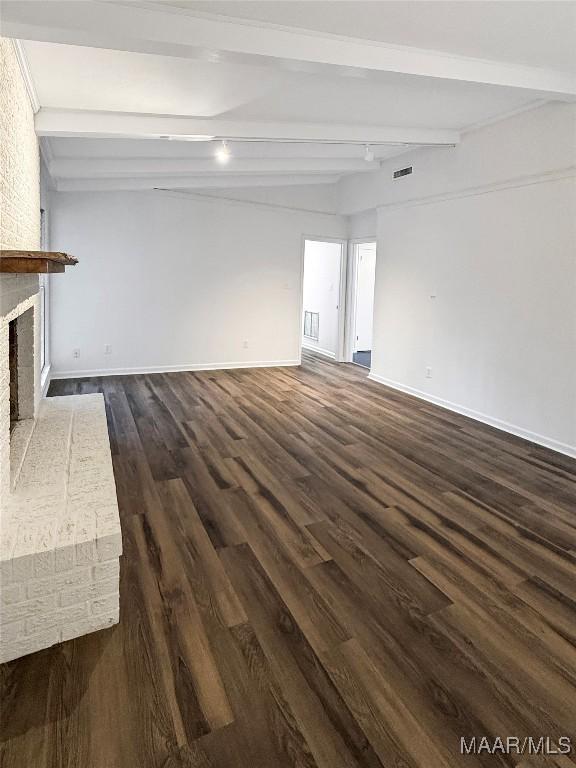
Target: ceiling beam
[190,182]
[85,123]
[168,31]
[93,168]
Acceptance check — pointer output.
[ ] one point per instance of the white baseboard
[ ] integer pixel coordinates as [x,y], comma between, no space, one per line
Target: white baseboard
[171,368]
[513,429]
[45,378]
[325,352]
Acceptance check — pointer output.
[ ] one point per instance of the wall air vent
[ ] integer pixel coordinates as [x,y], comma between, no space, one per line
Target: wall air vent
[402,172]
[312,325]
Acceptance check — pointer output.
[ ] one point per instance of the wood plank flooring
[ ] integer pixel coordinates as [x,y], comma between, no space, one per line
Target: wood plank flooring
[318,572]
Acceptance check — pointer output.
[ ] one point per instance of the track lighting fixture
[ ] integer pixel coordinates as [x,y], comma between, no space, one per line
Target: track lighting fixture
[223,153]
[368,154]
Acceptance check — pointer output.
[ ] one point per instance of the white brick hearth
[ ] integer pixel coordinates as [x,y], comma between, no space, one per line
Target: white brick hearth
[60,531]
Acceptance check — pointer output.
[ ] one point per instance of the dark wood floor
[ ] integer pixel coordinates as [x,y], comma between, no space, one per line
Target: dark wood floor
[317,571]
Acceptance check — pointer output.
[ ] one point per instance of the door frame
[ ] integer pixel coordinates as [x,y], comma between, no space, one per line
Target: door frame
[44,297]
[342,291]
[351,294]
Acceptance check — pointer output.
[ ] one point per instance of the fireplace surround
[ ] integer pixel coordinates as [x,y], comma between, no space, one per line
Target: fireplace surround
[60,538]
[19,393]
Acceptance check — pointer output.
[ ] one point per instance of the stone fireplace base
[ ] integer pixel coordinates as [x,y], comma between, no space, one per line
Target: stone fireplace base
[60,531]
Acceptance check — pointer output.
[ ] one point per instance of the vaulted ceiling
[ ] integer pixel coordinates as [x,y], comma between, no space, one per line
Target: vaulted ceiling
[297,89]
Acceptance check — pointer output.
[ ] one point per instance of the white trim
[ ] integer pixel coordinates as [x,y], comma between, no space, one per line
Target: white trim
[504,426]
[484,189]
[322,239]
[45,378]
[45,287]
[86,374]
[26,74]
[342,288]
[351,294]
[363,240]
[324,352]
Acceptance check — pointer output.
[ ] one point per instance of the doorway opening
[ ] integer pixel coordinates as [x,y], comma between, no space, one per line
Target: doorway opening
[322,327]
[361,316]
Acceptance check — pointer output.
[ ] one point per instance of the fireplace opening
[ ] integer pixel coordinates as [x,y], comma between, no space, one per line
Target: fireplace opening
[13,365]
[21,367]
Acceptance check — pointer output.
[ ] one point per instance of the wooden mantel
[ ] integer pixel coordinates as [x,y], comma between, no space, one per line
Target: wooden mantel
[35,261]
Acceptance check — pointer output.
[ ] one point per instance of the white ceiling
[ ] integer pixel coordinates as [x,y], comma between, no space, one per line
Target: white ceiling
[541,34]
[122,81]
[112,77]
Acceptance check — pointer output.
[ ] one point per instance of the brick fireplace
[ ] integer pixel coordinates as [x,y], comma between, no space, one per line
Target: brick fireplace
[59,528]
[60,539]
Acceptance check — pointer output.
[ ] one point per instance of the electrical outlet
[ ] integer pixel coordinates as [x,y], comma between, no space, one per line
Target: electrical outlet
[428,372]
[108,349]
[245,345]
[76,353]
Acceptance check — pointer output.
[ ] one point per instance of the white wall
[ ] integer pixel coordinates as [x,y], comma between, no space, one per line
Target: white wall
[500,334]
[527,145]
[321,293]
[365,283]
[320,198]
[174,282]
[362,225]
[489,228]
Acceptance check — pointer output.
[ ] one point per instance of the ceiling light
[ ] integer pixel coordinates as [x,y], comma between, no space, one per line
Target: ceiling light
[368,154]
[223,154]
